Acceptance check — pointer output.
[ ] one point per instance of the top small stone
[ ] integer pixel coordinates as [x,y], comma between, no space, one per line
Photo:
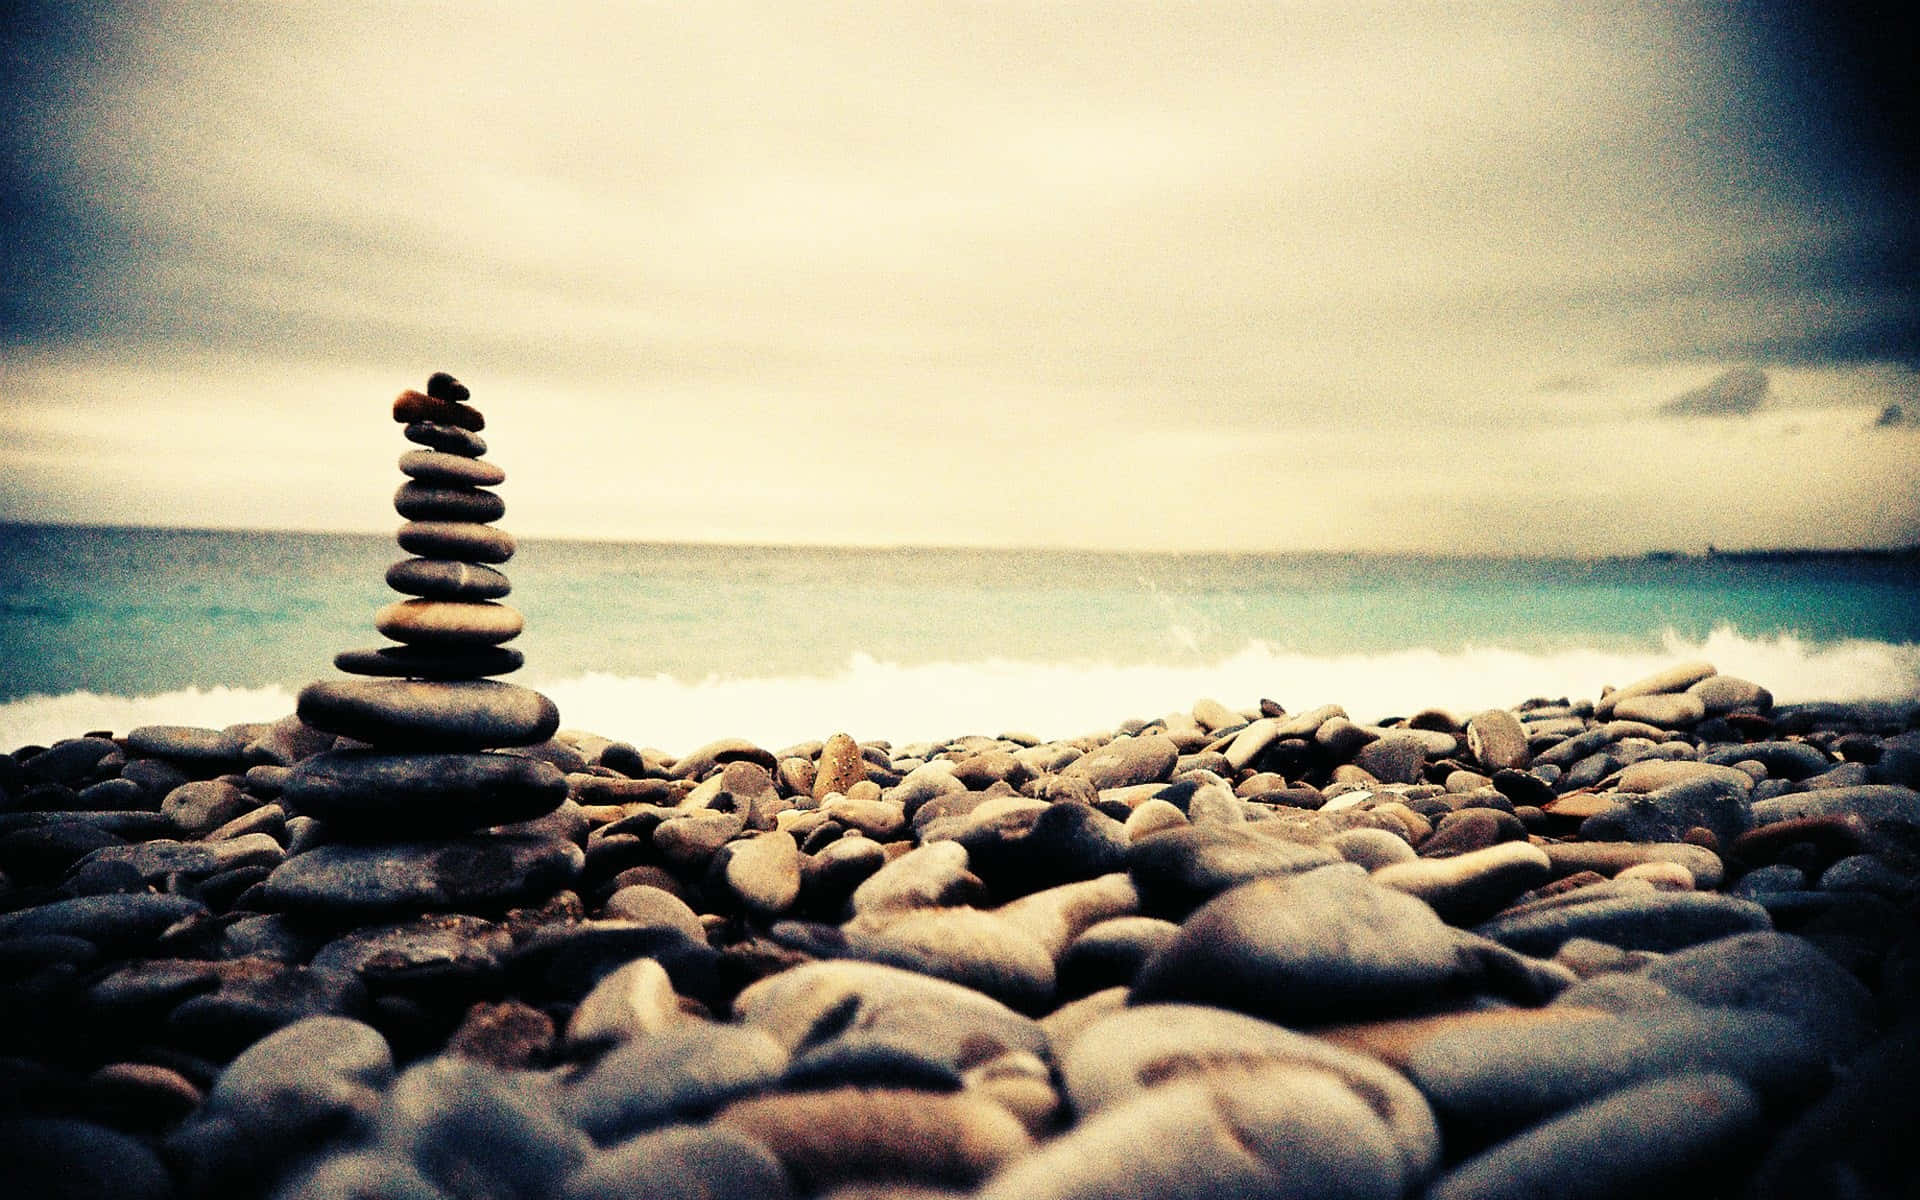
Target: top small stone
[442,386]
[410,407]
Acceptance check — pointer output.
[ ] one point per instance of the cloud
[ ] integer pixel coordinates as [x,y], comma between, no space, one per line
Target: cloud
[1735,393]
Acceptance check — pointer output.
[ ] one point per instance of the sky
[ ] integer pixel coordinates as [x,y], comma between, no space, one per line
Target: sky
[1494,278]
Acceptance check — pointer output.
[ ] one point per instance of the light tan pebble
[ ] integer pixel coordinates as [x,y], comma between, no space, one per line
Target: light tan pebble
[1665,711]
[648,905]
[876,818]
[1611,858]
[1664,876]
[840,767]
[633,1001]
[1065,1024]
[866,789]
[1650,775]
[1498,741]
[1055,916]
[1151,817]
[1214,716]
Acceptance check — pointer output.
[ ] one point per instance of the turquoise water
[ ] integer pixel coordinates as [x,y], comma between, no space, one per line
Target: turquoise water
[136,612]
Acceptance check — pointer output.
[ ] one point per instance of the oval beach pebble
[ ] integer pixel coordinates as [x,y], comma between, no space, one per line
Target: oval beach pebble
[426,715]
[456,540]
[449,622]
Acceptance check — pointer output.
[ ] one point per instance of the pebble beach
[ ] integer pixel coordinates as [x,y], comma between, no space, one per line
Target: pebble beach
[418,939]
[1661,939]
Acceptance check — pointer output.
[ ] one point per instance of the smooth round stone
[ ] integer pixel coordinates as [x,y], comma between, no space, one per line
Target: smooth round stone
[115,923]
[1398,757]
[418,501]
[436,468]
[979,950]
[635,1001]
[283,1095]
[411,406]
[186,742]
[839,767]
[1640,1140]
[1471,886]
[1777,973]
[477,872]
[360,1176]
[927,876]
[762,872]
[1677,678]
[449,622]
[448,439]
[442,386]
[430,715]
[71,761]
[461,541]
[683,1163]
[1110,953]
[1498,741]
[444,578]
[406,795]
[1127,762]
[678,1071]
[1665,815]
[202,806]
[430,662]
[254,998]
[1610,858]
[1329,945]
[1183,867]
[1723,694]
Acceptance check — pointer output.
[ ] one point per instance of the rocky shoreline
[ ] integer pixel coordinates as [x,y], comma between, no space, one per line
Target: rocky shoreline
[1663,940]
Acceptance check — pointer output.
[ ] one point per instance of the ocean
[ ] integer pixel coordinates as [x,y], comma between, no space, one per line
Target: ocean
[676,645]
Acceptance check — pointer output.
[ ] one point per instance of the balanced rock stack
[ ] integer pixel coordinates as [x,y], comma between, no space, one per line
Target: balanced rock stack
[428,711]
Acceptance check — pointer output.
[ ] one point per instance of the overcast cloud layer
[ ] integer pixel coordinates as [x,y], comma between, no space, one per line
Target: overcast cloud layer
[1513,278]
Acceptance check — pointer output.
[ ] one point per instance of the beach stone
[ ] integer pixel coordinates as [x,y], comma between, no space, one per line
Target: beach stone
[450,439]
[643,904]
[1639,1140]
[1497,741]
[442,386]
[1783,760]
[1665,815]
[1675,710]
[441,579]
[840,766]
[420,715]
[439,469]
[1470,829]
[1486,1080]
[1127,762]
[474,1130]
[253,998]
[882,820]
[762,871]
[187,743]
[975,949]
[476,872]
[451,958]
[635,1001]
[1150,1046]
[142,1096]
[116,923]
[1656,774]
[1873,802]
[449,622]
[682,1163]
[509,1035]
[398,796]
[418,501]
[1257,1134]
[565,960]
[45,852]
[294,1089]
[1473,886]
[1776,973]
[820,1002]
[1040,846]
[931,875]
[57,1158]
[1182,868]
[1372,848]
[200,807]
[461,541]
[1663,921]
[692,840]
[410,407]
[682,1071]
[1722,694]
[1869,873]
[155,861]
[431,661]
[1055,916]
[829,1137]
[1150,817]
[1610,858]
[71,761]
[1109,953]
[700,763]
[1250,743]
[1677,678]
[1324,946]
[1397,757]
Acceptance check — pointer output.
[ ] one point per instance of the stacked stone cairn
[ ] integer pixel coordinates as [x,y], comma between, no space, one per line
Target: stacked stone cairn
[427,711]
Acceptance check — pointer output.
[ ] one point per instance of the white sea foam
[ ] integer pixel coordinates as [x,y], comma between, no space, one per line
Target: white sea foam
[925,702]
